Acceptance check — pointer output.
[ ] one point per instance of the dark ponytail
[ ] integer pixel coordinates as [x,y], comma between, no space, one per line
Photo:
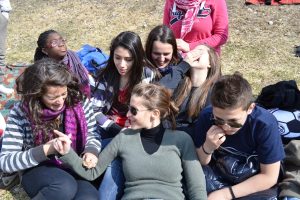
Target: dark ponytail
[41,43]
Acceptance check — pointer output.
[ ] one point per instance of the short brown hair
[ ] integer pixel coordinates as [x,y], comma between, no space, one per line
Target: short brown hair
[232,91]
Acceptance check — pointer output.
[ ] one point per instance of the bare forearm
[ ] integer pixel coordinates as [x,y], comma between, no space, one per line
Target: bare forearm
[254,184]
[203,157]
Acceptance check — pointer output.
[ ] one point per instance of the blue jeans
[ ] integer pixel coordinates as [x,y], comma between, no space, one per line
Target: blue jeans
[112,184]
[49,182]
[290,198]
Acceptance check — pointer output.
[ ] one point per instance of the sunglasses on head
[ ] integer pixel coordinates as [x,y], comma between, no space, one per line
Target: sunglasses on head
[134,110]
[221,122]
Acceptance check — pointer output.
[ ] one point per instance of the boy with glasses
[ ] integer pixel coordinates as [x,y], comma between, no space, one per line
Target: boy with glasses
[235,122]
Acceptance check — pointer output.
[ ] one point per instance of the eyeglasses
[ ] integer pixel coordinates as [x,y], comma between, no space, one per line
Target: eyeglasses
[221,122]
[57,42]
[134,110]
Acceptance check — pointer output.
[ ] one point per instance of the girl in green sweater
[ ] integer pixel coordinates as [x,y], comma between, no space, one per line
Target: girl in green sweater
[154,159]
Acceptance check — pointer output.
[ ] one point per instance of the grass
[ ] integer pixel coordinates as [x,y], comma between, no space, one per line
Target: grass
[260,44]
[261,51]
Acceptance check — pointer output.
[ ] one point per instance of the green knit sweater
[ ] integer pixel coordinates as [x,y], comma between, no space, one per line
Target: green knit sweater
[157,175]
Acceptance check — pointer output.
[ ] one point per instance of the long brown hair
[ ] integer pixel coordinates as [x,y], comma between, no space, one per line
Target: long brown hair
[132,42]
[163,34]
[33,82]
[200,94]
[157,97]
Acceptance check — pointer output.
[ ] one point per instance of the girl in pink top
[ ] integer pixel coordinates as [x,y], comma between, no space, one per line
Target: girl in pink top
[196,22]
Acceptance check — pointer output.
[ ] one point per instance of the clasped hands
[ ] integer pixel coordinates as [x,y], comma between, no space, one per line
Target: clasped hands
[62,145]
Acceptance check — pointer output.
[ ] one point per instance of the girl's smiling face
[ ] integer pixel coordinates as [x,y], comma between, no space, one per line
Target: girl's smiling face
[138,114]
[161,54]
[55,97]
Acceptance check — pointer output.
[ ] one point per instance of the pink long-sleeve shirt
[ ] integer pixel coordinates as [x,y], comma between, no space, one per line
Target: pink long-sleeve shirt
[210,26]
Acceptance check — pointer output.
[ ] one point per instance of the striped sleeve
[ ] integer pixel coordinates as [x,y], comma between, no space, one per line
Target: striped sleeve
[148,75]
[16,153]
[101,104]
[93,140]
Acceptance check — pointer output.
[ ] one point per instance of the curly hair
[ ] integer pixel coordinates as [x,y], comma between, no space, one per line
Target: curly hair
[33,82]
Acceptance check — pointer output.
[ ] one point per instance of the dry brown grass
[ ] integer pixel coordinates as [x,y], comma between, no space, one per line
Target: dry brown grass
[262,52]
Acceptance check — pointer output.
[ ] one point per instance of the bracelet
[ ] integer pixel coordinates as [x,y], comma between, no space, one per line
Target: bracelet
[231,192]
[206,151]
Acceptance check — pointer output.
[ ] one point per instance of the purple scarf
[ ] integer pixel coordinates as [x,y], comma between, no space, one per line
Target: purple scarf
[74,123]
[72,61]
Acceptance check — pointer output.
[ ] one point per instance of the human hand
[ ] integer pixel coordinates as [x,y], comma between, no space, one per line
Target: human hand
[48,148]
[222,194]
[201,47]
[182,45]
[198,57]
[62,144]
[214,138]
[89,160]
[193,56]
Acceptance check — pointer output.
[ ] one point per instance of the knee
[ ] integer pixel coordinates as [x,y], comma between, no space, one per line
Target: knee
[59,188]
[66,188]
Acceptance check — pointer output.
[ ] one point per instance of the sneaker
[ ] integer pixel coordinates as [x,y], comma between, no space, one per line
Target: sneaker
[5,90]
[7,181]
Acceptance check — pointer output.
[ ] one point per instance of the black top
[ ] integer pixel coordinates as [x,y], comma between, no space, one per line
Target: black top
[183,121]
[151,138]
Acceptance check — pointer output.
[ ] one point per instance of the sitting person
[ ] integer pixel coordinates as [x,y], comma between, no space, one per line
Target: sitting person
[112,88]
[193,92]
[154,158]
[111,92]
[234,123]
[51,100]
[161,51]
[51,44]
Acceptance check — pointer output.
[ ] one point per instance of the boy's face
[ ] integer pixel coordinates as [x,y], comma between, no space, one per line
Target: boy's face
[231,120]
